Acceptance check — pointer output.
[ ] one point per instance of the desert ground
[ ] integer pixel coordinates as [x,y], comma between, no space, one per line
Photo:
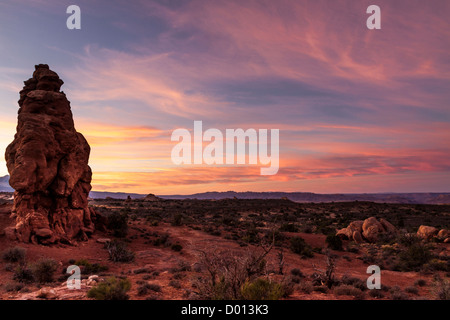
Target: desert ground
[218,249]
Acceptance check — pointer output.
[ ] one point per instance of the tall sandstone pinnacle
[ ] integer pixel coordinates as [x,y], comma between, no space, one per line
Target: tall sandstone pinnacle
[48,166]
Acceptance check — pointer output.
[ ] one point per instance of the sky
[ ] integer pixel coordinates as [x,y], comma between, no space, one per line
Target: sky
[358,110]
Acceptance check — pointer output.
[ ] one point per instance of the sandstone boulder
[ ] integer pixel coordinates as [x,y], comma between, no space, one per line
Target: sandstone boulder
[368,230]
[443,234]
[426,232]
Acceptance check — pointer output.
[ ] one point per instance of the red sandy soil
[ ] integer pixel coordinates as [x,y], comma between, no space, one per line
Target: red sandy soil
[162,259]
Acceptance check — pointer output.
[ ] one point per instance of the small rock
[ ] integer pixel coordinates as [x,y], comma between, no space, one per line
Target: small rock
[47,293]
[103,240]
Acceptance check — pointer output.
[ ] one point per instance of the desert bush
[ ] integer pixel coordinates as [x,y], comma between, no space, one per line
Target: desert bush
[441,289]
[175,284]
[374,293]
[154,287]
[288,227]
[176,247]
[262,289]
[10,287]
[334,242]
[144,288]
[306,287]
[227,273]
[44,269]
[325,277]
[413,257]
[437,265]
[299,246]
[184,266]
[420,283]
[348,290]
[89,268]
[23,274]
[118,224]
[111,289]
[118,252]
[296,272]
[355,282]
[177,220]
[162,239]
[412,290]
[16,254]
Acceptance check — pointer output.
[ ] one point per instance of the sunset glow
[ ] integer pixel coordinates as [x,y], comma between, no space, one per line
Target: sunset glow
[358,110]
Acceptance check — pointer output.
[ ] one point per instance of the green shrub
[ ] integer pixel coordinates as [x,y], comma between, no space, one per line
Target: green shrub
[334,242]
[44,269]
[118,252]
[437,265]
[89,268]
[111,289]
[262,289]
[118,223]
[414,257]
[299,246]
[16,254]
[23,274]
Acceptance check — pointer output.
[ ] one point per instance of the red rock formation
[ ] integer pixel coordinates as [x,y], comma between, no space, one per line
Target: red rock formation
[368,230]
[48,165]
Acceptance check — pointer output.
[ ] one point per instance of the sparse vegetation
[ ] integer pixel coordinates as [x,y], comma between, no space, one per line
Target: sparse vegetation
[349,290]
[44,269]
[299,246]
[16,254]
[262,289]
[118,251]
[90,268]
[334,242]
[118,224]
[111,289]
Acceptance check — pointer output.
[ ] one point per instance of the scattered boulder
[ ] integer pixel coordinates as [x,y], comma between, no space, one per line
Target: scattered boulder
[47,293]
[368,230]
[427,232]
[48,166]
[443,234]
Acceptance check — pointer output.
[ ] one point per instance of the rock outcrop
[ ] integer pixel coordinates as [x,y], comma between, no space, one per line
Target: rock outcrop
[368,230]
[430,233]
[48,166]
[151,197]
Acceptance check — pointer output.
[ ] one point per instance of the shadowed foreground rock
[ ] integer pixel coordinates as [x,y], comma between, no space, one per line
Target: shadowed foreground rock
[48,165]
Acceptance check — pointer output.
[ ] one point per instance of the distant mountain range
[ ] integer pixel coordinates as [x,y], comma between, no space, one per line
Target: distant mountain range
[411,198]
[4,184]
